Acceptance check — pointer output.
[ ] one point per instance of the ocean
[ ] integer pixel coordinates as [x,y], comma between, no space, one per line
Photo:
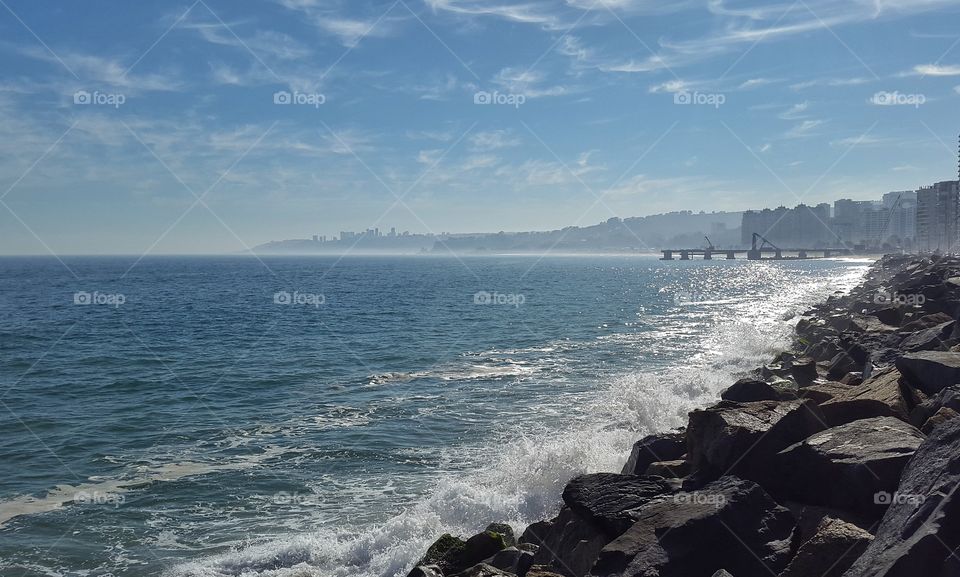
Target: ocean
[325,416]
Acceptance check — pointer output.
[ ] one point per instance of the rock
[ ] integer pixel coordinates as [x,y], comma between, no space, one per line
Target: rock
[841,364]
[652,448]
[823,391]
[505,531]
[528,547]
[746,390]
[722,573]
[889,316]
[669,469]
[810,517]
[425,571]
[933,339]
[948,397]
[730,524]
[920,532]
[880,396]
[482,570]
[542,571]
[938,418]
[512,560]
[569,541]
[830,552]
[444,553]
[741,438]
[606,499]
[452,554]
[930,371]
[926,322]
[852,379]
[847,466]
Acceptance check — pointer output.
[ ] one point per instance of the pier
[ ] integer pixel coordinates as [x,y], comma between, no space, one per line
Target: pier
[764,250]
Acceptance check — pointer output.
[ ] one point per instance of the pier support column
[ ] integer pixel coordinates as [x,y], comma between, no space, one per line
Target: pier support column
[778,255]
[684,255]
[753,255]
[708,255]
[826,254]
[731,255]
[667,255]
[802,254]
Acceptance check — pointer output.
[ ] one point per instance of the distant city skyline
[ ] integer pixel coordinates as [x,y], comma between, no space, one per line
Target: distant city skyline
[215,126]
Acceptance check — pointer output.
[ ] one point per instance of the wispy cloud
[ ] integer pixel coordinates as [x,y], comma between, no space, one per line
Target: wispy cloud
[936,70]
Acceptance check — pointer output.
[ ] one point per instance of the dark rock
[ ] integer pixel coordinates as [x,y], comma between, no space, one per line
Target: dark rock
[823,391]
[926,322]
[482,570]
[528,547]
[505,531]
[920,532]
[606,499]
[740,438]
[722,573]
[731,524]
[948,397]
[569,542]
[830,552]
[841,364]
[669,469]
[481,546]
[930,371]
[809,518]
[804,370]
[880,396]
[653,448]
[889,316]
[425,571]
[444,553]
[746,390]
[852,379]
[512,560]
[938,418]
[847,466]
[542,571]
[933,339]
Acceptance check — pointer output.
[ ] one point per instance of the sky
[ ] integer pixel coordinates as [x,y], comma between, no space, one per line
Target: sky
[216,125]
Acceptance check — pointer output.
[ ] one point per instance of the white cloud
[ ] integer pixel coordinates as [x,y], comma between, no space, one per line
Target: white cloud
[936,70]
[803,129]
[527,82]
[493,140]
[795,112]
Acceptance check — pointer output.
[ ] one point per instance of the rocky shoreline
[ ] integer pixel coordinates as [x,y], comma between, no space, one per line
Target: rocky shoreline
[840,458]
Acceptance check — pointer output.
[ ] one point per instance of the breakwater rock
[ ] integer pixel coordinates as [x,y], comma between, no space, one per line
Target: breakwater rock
[840,458]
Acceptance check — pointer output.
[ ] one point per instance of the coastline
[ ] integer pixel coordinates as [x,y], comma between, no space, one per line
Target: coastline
[810,466]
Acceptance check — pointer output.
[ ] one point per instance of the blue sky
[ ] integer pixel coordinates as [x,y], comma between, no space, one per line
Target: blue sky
[163,127]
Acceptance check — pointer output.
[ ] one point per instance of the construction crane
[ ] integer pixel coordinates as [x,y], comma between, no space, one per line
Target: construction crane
[709,244]
[753,243]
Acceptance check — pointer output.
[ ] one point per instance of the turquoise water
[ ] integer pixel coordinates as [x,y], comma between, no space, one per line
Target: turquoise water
[226,416]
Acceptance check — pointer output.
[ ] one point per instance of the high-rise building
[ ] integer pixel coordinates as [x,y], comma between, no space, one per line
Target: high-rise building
[799,227]
[938,207]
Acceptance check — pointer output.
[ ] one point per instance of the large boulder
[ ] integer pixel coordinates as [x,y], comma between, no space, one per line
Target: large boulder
[847,467]
[935,338]
[804,370]
[920,532]
[879,396]
[606,499]
[930,371]
[747,390]
[653,448]
[453,555]
[483,570]
[948,398]
[512,560]
[830,552]
[740,438]
[730,524]
[568,542]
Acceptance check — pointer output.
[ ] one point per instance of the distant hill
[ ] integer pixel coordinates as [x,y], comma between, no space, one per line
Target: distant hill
[670,230]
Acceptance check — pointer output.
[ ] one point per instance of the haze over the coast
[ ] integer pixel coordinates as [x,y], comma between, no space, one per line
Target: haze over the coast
[216,126]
